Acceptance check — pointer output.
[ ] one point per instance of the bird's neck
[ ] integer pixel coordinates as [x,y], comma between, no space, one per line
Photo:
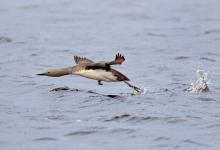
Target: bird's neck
[62,71]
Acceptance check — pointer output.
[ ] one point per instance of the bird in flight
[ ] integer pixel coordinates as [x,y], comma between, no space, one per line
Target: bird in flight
[100,71]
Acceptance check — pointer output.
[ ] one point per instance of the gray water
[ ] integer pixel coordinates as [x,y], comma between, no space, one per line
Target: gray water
[164,41]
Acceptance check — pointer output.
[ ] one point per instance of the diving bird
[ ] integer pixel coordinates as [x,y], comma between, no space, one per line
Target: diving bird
[100,71]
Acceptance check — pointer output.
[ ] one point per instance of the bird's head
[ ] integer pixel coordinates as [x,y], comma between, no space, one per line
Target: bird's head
[54,73]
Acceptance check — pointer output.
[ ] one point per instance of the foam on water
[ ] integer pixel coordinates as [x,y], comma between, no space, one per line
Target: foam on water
[140,92]
[201,84]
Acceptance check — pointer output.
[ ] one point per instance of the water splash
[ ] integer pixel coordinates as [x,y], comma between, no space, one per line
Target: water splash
[140,92]
[201,84]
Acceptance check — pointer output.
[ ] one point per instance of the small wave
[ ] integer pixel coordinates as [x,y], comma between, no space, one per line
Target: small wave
[156,34]
[65,88]
[162,138]
[55,117]
[201,84]
[189,141]
[207,59]
[214,126]
[136,119]
[212,54]
[80,133]
[45,139]
[207,99]
[181,58]
[5,40]
[118,117]
[211,32]
[122,130]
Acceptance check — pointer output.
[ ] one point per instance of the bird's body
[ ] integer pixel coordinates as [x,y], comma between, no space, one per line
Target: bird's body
[97,74]
[98,71]
[101,71]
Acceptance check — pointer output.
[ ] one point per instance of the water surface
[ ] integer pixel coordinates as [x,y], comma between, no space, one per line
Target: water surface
[165,42]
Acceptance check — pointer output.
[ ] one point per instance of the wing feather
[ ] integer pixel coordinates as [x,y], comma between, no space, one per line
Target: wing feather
[81,60]
[119,59]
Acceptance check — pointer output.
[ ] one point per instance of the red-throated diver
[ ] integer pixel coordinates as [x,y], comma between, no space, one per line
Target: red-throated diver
[100,71]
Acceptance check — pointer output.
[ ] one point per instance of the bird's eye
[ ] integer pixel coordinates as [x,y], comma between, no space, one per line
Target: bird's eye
[48,72]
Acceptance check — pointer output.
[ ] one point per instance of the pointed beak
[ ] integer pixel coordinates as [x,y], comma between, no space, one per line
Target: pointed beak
[41,74]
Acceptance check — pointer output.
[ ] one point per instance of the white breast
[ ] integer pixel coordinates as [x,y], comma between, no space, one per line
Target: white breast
[97,74]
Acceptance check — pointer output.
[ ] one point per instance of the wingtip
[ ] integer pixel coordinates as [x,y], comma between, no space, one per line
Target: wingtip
[120,56]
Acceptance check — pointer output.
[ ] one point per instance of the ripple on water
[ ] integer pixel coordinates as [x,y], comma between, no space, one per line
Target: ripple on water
[56,117]
[217,126]
[33,54]
[162,138]
[45,139]
[156,34]
[207,59]
[211,32]
[181,58]
[189,141]
[81,133]
[130,118]
[65,88]
[122,130]
[115,118]
[206,99]
[42,128]
[5,40]
[212,54]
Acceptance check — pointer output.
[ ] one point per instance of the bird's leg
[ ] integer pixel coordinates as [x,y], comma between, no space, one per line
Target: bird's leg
[99,82]
[134,87]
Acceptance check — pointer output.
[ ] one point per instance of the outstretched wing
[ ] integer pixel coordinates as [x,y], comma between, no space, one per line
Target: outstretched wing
[106,65]
[81,60]
[119,59]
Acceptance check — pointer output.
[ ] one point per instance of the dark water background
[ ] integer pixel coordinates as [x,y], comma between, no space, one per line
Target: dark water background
[164,41]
